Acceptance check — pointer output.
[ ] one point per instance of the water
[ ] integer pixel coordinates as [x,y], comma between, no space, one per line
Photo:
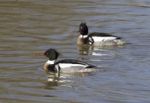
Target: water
[29,27]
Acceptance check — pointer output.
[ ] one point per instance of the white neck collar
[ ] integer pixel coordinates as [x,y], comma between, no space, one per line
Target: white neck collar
[83,36]
[50,62]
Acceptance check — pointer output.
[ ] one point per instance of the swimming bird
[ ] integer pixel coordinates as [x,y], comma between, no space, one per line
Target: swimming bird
[97,38]
[65,65]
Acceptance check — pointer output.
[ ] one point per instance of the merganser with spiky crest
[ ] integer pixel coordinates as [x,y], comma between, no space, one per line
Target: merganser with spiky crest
[96,38]
[54,66]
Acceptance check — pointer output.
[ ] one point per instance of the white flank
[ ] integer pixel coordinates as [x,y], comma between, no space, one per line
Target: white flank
[103,39]
[50,62]
[68,65]
[74,68]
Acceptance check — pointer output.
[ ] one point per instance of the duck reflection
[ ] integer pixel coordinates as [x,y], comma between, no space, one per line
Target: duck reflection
[92,50]
[53,77]
[85,49]
[66,77]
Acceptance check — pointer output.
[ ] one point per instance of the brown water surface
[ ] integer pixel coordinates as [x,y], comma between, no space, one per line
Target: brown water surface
[29,27]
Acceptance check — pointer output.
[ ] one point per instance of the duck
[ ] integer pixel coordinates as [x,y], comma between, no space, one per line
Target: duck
[97,38]
[53,65]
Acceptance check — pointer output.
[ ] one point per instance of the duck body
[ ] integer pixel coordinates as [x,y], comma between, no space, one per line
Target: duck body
[67,65]
[105,39]
[96,38]
[64,65]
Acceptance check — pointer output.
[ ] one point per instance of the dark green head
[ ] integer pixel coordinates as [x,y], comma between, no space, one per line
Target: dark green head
[83,29]
[52,54]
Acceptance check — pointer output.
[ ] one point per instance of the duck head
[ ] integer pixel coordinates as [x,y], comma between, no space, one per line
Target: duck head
[52,55]
[83,29]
